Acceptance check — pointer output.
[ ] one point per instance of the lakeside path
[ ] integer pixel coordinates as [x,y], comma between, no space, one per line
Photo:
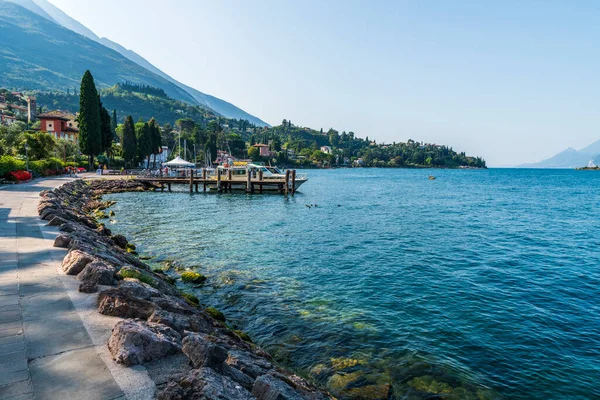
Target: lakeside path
[52,339]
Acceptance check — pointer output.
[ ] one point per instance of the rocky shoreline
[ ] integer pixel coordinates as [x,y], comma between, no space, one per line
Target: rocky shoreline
[203,357]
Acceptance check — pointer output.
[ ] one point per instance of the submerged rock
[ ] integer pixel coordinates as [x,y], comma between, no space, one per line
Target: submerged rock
[135,342]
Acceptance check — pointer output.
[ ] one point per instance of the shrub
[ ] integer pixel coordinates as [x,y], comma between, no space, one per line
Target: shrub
[19,176]
[9,164]
[216,314]
[192,277]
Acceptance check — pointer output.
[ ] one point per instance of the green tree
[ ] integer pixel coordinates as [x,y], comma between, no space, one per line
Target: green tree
[105,127]
[253,153]
[41,145]
[144,142]
[129,142]
[90,135]
[155,139]
[113,125]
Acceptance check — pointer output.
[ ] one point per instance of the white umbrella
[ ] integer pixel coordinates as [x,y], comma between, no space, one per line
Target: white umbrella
[179,162]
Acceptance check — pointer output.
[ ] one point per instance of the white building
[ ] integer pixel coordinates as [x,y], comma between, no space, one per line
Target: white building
[326,149]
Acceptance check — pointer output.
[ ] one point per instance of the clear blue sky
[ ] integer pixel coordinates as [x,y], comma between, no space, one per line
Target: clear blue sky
[512,81]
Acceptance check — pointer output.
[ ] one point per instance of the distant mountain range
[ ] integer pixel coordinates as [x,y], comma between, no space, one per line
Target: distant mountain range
[35,53]
[570,158]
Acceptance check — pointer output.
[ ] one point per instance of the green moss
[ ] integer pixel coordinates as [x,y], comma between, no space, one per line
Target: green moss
[130,246]
[134,273]
[428,384]
[111,213]
[100,215]
[191,299]
[192,277]
[243,335]
[216,314]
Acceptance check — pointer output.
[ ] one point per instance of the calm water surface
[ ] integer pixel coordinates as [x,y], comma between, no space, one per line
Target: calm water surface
[479,284]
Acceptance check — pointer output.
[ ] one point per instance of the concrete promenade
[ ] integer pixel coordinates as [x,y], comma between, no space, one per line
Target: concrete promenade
[49,349]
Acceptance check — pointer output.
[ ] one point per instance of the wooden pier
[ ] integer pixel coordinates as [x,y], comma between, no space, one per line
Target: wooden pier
[225,182]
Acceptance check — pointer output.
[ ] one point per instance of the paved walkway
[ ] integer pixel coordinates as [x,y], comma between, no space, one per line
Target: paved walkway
[46,352]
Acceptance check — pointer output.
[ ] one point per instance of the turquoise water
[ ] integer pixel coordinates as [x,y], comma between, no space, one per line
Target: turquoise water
[479,283]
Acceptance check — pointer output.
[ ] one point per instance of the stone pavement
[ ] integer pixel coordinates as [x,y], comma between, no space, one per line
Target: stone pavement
[46,351]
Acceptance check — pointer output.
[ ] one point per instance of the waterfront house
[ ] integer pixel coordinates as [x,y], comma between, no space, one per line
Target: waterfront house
[60,125]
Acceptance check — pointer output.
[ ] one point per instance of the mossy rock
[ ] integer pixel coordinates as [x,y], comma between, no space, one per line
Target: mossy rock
[370,392]
[136,274]
[340,381]
[190,299]
[341,363]
[100,215]
[429,385]
[111,213]
[146,258]
[243,335]
[216,314]
[130,246]
[192,277]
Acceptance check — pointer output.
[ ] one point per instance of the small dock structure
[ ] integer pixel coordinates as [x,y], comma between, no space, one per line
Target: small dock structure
[224,181]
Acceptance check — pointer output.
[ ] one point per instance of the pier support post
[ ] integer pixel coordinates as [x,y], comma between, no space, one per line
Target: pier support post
[248,182]
[204,178]
[260,180]
[293,181]
[191,181]
[286,187]
[169,186]
[219,188]
[230,179]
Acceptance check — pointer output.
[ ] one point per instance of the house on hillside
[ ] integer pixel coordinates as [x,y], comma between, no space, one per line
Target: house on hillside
[60,125]
[7,119]
[326,149]
[263,150]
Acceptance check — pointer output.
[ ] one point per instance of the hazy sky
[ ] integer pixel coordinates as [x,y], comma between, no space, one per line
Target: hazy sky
[510,81]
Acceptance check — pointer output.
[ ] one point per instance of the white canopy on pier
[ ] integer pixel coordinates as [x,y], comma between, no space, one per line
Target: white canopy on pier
[179,162]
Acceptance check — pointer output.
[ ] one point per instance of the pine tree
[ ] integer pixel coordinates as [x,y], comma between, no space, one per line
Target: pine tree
[129,142]
[90,135]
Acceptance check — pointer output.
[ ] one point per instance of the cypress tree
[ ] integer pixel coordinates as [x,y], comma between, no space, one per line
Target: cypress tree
[144,142]
[155,139]
[128,141]
[113,125]
[105,127]
[90,135]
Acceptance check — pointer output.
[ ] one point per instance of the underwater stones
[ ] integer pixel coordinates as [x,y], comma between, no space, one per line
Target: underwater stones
[204,353]
[370,392]
[75,262]
[267,387]
[342,363]
[98,272]
[192,277]
[205,384]
[135,342]
[340,381]
[117,303]
[429,385]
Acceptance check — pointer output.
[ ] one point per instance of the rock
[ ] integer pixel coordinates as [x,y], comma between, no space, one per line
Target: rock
[135,342]
[120,241]
[98,272]
[118,304]
[62,241]
[88,287]
[204,384]
[178,322]
[204,353]
[133,287]
[56,221]
[267,387]
[238,376]
[192,277]
[75,262]
[175,304]
[248,363]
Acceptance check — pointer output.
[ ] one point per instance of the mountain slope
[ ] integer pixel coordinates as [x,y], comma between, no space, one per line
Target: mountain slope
[36,53]
[51,12]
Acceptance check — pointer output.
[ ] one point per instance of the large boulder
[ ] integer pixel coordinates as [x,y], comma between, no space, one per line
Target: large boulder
[204,384]
[178,322]
[267,387]
[98,272]
[248,363]
[135,342]
[118,304]
[75,262]
[134,288]
[120,241]
[204,353]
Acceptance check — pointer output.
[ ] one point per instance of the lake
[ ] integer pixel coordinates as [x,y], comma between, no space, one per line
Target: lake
[478,284]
